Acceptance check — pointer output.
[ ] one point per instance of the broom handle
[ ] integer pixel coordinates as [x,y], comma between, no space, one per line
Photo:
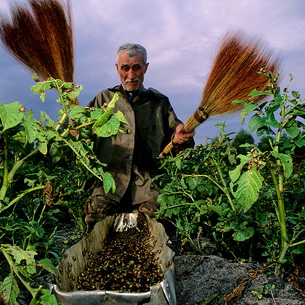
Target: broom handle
[195,119]
[167,149]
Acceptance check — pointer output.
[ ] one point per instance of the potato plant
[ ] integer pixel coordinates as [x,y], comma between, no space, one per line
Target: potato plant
[250,204]
[43,166]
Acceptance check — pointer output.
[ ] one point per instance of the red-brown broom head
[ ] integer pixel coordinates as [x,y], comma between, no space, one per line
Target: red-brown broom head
[235,72]
[39,35]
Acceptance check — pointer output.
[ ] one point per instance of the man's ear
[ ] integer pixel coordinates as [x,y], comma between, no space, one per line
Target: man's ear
[146,67]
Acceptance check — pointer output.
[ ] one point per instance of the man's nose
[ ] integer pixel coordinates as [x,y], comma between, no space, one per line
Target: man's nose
[131,74]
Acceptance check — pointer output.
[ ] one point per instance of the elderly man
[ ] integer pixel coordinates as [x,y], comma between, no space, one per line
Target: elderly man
[132,157]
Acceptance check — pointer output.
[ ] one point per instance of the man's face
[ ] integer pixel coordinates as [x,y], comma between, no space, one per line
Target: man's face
[131,70]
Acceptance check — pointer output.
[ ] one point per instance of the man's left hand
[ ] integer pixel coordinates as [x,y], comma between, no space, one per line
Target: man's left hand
[181,136]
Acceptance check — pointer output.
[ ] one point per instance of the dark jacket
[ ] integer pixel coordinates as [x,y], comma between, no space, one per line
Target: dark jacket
[131,158]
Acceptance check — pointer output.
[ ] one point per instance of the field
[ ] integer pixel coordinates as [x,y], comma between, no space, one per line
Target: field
[236,204]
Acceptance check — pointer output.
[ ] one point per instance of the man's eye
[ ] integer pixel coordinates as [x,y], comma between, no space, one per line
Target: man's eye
[125,68]
[136,67]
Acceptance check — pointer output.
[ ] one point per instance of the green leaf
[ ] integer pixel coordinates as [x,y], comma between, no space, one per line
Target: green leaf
[249,185]
[242,232]
[298,111]
[235,173]
[10,290]
[43,147]
[239,102]
[42,96]
[108,183]
[11,115]
[20,254]
[255,92]
[41,86]
[105,116]
[62,84]
[45,117]
[299,143]
[47,265]
[121,117]
[109,128]
[178,162]
[49,134]
[295,94]
[31,128]
[248,108]
[258,294]
[192,182]
[56,151]
[275,104]
[44,296]
[103,119]
[73,95]
[216,208]
[286,162]
[293,129]
[270,120]
[256,122]
[79,148]
[96,113]
[30,113]
[76,110]
[264,131]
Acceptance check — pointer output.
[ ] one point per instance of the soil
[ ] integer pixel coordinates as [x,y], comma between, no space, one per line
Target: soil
[209,278]
[212,279]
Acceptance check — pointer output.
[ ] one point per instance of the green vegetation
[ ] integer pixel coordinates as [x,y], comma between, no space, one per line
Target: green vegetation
[249,204]
[244,197]
[43,167]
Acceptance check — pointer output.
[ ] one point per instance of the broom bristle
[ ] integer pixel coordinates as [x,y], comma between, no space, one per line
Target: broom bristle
[234,74]
[40,36]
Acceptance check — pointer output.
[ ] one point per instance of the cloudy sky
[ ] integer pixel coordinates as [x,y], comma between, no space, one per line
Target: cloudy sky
[181,37]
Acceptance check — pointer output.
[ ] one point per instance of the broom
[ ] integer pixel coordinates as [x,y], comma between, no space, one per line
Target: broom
[234,74]
[40,36]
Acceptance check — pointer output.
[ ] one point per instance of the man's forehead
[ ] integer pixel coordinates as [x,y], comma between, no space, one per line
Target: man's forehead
[130,58]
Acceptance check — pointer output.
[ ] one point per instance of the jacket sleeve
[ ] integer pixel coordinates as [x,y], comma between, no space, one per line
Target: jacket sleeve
[173,123]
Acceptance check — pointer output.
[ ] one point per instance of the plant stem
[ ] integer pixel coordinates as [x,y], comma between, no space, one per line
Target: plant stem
[223,189]
[279,186]
[18,197]
[64,107]
[297,243]
[5,173]
[12,172]
[42,212]
[181,205]
[15,270]
[281,217]
[81,161]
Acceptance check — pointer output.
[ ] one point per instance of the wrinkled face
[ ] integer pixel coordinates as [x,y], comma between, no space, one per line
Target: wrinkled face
[131,70]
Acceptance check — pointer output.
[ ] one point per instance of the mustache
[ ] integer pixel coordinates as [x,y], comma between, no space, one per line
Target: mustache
[132,80]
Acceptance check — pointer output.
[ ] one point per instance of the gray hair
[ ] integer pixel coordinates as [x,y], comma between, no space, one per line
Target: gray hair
[133,49]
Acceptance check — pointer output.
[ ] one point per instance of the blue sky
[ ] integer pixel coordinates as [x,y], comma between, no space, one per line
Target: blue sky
[181,38]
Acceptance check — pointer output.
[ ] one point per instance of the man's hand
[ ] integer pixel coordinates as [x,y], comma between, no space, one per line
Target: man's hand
[181,136]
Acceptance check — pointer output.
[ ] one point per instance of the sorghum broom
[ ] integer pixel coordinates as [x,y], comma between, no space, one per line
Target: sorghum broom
[40,36]
[234,74]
